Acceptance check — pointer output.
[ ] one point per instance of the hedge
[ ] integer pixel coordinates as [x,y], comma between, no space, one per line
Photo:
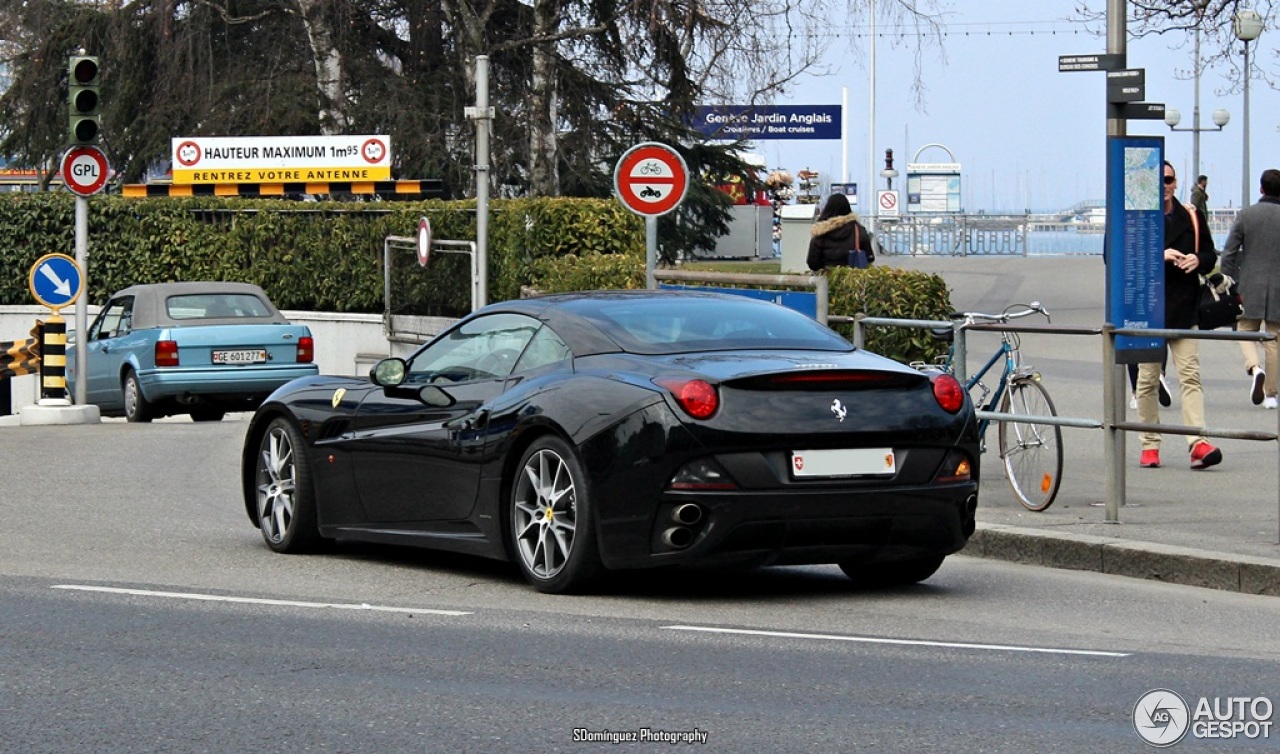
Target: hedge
[327,256]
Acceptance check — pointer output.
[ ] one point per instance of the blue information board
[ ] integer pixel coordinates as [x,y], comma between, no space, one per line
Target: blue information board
[56,280]
[800,301]
[760,122]
[1134,248]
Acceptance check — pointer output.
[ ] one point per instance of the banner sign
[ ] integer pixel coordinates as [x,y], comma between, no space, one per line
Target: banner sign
[281,159]
[762,122]
[1134,246]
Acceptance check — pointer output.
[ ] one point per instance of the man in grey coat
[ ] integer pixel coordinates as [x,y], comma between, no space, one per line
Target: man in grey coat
[1252,258]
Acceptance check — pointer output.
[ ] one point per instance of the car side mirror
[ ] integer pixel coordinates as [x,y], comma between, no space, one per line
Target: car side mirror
[389,372]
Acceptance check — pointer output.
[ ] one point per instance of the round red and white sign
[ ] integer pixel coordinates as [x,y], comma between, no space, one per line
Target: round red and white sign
[424,241]
[651,179]
[373,151]
[188,153]
[84,170]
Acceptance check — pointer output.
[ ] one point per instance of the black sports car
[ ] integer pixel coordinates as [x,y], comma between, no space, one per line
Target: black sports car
[626,429]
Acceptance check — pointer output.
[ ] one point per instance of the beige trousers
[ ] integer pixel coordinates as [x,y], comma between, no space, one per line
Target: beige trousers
[1186,360]
[1269,351]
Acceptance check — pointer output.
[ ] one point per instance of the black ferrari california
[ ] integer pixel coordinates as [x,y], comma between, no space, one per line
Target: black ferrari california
[580,433]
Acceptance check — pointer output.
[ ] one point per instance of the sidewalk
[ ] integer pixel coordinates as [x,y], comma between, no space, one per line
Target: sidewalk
[1217,528]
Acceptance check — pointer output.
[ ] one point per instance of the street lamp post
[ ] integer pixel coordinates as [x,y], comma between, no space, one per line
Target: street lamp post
[1172,117]
[1247,26]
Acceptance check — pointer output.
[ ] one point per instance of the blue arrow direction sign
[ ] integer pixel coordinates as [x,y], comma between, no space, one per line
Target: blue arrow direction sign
[56,280]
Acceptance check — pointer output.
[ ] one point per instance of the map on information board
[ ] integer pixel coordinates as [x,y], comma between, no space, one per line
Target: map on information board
[1142,176]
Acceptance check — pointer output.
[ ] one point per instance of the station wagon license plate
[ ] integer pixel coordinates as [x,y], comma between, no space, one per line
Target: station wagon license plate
[843,462]
[257,356]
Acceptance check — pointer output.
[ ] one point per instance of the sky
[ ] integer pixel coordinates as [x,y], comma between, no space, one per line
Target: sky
[1025,135]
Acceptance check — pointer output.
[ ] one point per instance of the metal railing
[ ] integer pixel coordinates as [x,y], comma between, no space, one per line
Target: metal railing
[1113,422]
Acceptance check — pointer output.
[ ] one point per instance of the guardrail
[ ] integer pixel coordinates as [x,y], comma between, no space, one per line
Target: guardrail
[1113,421]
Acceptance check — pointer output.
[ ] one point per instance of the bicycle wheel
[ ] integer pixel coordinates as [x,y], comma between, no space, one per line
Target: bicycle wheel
[1032,453]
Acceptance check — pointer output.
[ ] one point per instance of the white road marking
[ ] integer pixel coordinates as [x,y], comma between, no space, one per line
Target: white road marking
[903,642]
[257,600]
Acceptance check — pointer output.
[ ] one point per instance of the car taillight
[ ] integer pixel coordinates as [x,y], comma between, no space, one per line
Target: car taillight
[948,392]
[698,398]
[166,353]
[306,349]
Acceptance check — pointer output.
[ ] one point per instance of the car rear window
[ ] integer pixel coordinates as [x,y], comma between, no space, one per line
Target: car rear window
[216,306]
[683,325]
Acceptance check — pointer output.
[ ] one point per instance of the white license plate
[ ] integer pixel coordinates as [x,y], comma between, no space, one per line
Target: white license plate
[240,357]
[843,462]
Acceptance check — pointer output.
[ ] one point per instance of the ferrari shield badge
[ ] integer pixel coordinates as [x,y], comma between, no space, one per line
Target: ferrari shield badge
[337,396]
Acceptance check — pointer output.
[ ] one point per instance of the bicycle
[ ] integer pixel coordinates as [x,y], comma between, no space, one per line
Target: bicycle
[1031,452]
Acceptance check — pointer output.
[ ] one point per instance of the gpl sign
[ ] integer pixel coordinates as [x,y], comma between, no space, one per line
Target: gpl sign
[84,170]
[651,179]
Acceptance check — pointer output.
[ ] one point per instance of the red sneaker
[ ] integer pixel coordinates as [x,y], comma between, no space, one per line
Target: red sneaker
[1204,455]
[1150,459]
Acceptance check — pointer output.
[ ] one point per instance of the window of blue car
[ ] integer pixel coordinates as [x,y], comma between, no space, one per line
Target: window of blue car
[687,324]
[483,348]
[216,306]
[114,319]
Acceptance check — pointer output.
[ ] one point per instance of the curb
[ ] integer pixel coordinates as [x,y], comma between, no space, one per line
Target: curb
[1117,557]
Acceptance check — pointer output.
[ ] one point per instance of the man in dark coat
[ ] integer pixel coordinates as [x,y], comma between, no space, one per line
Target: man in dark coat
[835,234]
[1252,258]
[1188,254]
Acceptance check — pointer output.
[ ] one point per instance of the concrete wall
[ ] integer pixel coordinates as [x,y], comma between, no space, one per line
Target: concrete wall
[345,343]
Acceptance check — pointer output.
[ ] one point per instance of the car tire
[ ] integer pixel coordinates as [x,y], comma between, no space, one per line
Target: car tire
[136,407]
[902,573]
[286,503]
[552,526]
[207,415]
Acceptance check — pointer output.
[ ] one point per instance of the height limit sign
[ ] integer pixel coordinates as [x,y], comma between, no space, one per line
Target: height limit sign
[84,170]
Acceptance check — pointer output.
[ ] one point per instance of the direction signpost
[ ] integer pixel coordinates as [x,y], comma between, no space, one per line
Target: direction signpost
[651,179]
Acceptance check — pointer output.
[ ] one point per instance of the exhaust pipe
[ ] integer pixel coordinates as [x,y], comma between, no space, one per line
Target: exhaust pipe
[970,524]
[687,514]
[677,537]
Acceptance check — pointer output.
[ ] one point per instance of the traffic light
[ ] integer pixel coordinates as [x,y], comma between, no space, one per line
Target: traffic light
[83,100]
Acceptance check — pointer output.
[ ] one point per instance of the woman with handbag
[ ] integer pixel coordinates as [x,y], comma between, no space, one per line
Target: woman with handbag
[838,239]
[1188,254]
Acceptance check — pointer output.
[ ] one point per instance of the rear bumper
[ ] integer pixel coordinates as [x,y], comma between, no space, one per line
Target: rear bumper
[212,382]
[764,528]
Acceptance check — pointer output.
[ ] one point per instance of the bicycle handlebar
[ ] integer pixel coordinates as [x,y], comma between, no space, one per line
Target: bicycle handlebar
[1011,312]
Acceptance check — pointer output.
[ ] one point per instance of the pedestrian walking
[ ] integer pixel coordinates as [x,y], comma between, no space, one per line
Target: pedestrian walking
[1251,257]
[1200,195]
[1188,254]
[837,235]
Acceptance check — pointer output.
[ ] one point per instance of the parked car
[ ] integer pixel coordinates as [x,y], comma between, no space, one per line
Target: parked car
[198,348]
[577,433]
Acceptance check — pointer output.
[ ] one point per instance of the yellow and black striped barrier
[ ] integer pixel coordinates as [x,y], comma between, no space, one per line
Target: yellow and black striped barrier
[430,188]
[17,358]
[53,359]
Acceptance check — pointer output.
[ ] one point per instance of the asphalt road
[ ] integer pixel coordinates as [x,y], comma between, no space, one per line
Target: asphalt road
[140,611]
